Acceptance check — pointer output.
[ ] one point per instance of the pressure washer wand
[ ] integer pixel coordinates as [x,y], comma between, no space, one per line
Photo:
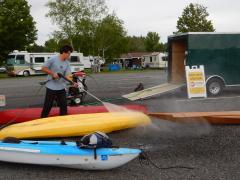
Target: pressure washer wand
[92,95]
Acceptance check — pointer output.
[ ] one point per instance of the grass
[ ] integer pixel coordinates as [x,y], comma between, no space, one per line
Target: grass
[122,71]
[3,75]
[105,71]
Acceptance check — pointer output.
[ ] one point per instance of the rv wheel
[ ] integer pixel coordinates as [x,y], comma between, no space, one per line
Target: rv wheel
[214,87]
[26,73]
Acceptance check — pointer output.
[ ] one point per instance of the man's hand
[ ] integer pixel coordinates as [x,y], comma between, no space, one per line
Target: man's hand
[51,73]
[55,76]
[75,84]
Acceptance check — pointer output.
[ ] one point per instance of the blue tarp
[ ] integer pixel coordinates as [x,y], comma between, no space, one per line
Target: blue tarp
[114,67]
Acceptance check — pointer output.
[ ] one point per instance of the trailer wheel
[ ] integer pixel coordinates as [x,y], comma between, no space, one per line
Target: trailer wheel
[214,87]
[26,73]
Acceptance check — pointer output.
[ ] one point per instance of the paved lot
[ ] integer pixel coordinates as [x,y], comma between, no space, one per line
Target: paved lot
[212,151]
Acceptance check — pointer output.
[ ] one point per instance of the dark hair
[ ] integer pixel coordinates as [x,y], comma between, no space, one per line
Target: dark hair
[66,49]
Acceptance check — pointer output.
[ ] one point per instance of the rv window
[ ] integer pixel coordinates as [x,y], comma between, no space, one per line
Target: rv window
[39,59]
[10,62]
[11,57]
[74,59]
[20,59]
[165,58]
[150,59]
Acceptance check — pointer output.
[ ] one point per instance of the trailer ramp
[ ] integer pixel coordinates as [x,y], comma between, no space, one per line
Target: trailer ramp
[152,91]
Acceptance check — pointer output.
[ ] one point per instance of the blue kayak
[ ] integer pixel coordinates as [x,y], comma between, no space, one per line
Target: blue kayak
[67,154]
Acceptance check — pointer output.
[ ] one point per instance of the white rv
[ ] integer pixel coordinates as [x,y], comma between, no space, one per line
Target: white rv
[89,61]
[154,60]
[23,63]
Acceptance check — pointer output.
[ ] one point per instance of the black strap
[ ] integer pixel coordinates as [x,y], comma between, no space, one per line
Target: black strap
[63,142]
[95,153]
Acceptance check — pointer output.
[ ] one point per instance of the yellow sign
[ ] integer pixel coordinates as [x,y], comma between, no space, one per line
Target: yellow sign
[196,82]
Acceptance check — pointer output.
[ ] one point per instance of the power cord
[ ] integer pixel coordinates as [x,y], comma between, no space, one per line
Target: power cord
[144,159]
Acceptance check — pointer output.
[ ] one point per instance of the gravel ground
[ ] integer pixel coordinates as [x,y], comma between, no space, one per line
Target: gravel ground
[209,152]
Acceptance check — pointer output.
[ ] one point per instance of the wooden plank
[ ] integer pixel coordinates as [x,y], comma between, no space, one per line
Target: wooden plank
[152,91]
[196,114]
[228,117]
[223,119]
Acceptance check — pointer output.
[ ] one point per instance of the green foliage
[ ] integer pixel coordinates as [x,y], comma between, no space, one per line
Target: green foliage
[110,37]
[36,48]
[51,45]
[86,25]
[17,28]
[85,37]
[152,42]
[136,44]
[194,19]
[70,15]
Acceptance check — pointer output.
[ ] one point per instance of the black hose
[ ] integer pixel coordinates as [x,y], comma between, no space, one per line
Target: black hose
[144,159]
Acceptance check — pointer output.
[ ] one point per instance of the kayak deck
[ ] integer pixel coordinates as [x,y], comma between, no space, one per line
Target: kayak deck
[75,125]
[67,155]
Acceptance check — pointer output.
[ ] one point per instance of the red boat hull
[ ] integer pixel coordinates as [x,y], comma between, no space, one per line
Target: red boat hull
[28,114]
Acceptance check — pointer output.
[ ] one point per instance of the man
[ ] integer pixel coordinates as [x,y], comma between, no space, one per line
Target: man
[55,86]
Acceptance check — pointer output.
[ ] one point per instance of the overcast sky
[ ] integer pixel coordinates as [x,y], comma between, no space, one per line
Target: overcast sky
[142,16]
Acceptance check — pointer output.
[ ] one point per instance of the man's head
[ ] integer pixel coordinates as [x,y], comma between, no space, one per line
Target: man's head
[65,52]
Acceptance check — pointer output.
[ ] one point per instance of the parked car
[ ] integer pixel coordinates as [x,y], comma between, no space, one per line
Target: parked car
[2,69]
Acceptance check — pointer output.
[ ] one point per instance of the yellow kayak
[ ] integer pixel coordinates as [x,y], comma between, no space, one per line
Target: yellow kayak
[75,125]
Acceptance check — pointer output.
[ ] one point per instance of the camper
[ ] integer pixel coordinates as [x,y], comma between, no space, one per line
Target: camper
[23,63]
[154,60]
[88,61]
[219,53]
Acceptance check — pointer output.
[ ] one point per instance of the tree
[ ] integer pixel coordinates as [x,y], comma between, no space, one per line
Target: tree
[85,37]
[111,37]
[17,28]
[194,19]
[36,48]
[51,45]
[69,14]
[136,44]
[152,42]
